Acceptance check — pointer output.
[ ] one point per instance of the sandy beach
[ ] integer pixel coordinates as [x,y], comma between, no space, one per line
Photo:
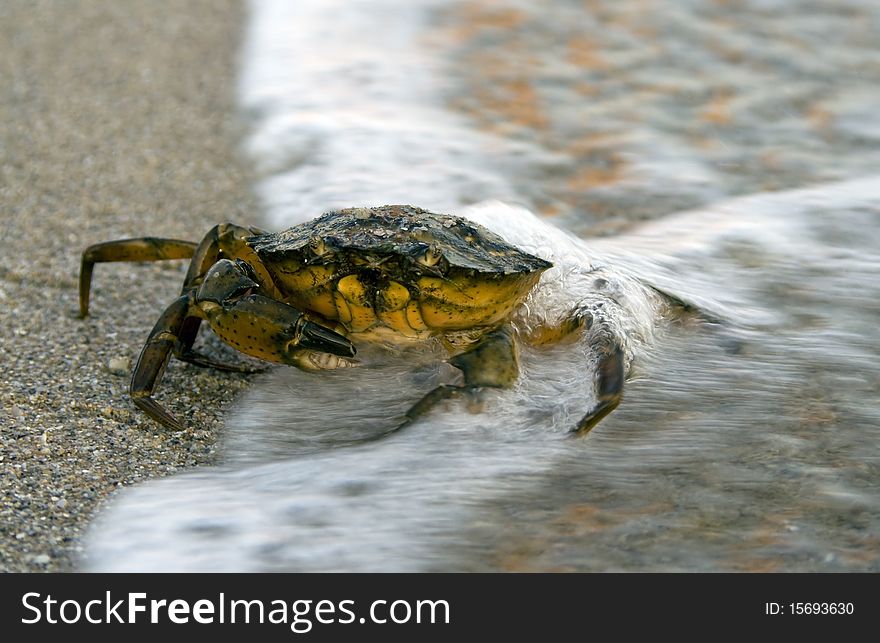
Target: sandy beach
[116,120]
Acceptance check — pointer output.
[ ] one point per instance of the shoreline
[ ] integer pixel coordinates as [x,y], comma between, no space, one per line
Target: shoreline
[117,121]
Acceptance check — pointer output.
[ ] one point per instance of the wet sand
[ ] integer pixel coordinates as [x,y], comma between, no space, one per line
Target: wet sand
[116,120]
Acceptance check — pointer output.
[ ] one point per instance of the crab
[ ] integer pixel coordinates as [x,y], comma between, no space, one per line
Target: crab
[306,296]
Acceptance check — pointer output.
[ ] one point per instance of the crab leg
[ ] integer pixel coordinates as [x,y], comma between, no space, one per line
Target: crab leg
[153,359]
[292,336]
[609,390]
[143,249]
[151,249]
[492,362]
[225,239]
[256,325]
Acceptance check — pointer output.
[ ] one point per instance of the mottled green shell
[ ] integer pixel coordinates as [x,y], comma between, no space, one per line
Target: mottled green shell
[403,231]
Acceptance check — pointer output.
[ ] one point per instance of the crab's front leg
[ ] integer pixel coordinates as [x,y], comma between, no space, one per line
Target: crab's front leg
[492,362]
[153,358]
[252,323]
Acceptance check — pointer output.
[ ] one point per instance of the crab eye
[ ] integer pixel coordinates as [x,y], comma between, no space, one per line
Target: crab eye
[318,247]
[248,270]
[430,257]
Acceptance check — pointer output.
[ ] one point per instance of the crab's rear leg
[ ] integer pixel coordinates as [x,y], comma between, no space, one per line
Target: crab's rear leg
[223,240]
[152,249]
[610,376]
[591,318]
[611,366]
[143,249]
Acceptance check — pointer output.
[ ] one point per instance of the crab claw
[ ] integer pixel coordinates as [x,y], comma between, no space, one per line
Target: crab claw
[315,337]
[269,329]
[260,326]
